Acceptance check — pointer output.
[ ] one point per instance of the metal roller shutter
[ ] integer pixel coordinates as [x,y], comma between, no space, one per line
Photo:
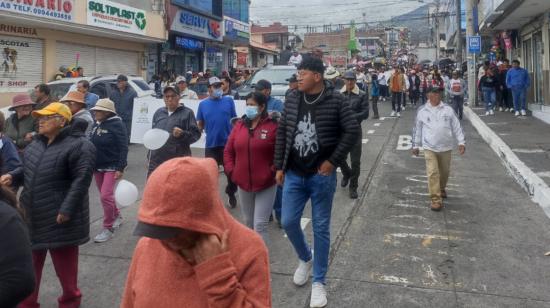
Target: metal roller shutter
[20,63]
[67,53]
[112,61]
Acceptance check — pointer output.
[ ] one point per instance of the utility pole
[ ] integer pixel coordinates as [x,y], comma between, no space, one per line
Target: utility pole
[437,40]
[458,33]
[472,89]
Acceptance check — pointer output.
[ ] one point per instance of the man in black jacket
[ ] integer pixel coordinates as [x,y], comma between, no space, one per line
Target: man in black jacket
[316,132]
[358,100]
[180,122]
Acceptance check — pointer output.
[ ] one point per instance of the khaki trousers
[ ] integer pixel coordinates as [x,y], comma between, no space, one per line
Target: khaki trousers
[437,167]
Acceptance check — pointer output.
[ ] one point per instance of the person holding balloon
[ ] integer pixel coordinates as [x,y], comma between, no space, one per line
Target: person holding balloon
[111,142]
[180,123]
[248,161]
[57,174]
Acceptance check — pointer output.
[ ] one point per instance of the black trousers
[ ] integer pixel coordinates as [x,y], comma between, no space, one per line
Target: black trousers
[216,153]
[396,101]
[355,158]
[375,106]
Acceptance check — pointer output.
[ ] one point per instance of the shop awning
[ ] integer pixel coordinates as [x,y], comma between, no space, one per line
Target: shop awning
[517,13]
[30,21]
[263,48]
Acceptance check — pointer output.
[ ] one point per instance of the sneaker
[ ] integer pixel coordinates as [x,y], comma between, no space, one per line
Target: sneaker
[104,236]
[487,113]
[523,113]
[318,295]
[517,114]
[500,109]
[392,114]
[118,222]
[492,112]
[507,110]
[302,273]
[398,114]
[403,108]
[436,206]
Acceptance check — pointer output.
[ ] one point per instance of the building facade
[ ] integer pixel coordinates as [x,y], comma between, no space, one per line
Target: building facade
[101,36]
[521,30]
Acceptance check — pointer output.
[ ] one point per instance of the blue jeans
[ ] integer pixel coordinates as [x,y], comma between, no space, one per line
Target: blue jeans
[297,190]
[277,205]
[519,99]
[489,96]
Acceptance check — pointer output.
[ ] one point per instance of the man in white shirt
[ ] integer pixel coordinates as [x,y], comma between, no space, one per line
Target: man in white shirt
[185,92]
[295,59]
[436,125]
[455,88]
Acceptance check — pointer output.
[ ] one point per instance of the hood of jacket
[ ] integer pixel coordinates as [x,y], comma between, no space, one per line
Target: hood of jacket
[183,193]
[355,90]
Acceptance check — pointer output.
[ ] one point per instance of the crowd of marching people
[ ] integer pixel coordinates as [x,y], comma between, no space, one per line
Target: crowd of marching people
[275,158]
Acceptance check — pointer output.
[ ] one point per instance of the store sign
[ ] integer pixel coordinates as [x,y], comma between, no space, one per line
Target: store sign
[236,29]
[18,30]
[189,43]
[115,16]
[51,9]
[474,44]
[20,63]
[194,24]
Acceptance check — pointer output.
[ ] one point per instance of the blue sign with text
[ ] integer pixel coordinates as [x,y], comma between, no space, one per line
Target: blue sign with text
[189,43]
[474,44]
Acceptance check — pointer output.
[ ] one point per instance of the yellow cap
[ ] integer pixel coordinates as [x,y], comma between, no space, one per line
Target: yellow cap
[54,108]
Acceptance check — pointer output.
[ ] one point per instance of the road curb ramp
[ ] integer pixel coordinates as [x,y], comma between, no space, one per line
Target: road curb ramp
[537,189]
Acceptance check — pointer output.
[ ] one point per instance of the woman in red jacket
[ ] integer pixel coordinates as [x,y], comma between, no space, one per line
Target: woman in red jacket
[248,161]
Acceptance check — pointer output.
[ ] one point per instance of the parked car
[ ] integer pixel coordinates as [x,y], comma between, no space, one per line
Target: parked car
[103,86]
[276,74]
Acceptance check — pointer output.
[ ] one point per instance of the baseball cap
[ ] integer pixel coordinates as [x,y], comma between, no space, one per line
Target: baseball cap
[262,85]
[292,78]
[54,108]
[214,80]
[122,78]
[155,231]
[171,87]
[180,79]
[349,75]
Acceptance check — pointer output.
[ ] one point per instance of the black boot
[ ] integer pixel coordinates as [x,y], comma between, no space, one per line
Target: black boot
[353,193]
[345,181]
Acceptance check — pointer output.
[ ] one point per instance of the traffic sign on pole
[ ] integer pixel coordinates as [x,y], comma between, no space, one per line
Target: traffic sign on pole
[474,44]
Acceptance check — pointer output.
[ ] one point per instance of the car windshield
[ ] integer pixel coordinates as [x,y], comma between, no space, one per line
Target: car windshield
[142,85]
[58,90]
[278,76]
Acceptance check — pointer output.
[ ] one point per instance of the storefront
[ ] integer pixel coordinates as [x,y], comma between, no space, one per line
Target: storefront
[101,36]
[236,34]
[200,32]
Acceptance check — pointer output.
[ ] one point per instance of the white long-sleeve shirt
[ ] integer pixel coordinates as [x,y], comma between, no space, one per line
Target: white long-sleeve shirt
[437,128]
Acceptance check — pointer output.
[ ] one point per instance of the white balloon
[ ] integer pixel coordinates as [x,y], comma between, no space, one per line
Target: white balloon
[155,138]
[126,193]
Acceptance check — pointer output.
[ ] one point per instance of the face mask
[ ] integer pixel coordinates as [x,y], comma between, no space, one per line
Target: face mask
[217,93]
[251,112]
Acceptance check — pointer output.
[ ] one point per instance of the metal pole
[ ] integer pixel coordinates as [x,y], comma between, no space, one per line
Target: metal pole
[437,40]
[459,33]
[472,89]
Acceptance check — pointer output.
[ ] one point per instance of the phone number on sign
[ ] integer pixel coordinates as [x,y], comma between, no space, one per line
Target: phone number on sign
[52,14]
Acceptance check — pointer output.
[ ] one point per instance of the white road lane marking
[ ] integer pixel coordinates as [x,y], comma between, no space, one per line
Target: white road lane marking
[404,143]
[528,151]
[370,132]
[377,124]
[365,141]
[545,174]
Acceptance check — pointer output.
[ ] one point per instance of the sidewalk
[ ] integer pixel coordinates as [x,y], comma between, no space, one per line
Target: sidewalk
[523,145]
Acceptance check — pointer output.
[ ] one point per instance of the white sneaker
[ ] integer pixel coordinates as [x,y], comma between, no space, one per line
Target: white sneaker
[318,295]
[487,113]
[398,114]
[507,110]
[500,109]
[104,236]
[302,273]
[517,114]
[392,114]
[118,222]
[492,112]
[403,108]
[523,113]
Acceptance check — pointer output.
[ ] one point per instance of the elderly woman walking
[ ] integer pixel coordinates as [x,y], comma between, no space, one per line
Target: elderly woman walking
[109,138]
[57,174]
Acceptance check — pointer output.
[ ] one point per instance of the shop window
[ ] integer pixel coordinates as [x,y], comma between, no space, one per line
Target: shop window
[237,9]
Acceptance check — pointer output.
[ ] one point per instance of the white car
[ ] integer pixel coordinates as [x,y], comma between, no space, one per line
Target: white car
[103,86]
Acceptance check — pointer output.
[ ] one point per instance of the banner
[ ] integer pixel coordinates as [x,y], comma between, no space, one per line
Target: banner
[145,108]
[57,10]
[116,16]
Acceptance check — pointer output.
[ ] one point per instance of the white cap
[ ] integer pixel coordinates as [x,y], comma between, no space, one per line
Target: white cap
[214,80]
[180,79]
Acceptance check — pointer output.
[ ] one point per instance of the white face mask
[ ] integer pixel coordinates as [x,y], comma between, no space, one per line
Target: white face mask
[217,93]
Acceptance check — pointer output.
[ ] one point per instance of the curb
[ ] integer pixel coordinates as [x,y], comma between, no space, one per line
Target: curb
[537,189]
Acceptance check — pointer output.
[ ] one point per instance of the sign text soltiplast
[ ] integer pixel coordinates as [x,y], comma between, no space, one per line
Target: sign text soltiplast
[115,16]
[197,25]
[51,9]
